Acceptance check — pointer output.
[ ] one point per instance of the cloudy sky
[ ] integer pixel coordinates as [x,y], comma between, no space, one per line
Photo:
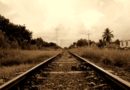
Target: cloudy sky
[69,20]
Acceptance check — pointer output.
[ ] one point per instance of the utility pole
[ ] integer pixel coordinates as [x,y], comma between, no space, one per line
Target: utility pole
[88,34]
[88,37]
[57,35]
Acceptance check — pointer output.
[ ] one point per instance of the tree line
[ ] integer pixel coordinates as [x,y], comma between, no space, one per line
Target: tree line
[105,41]
[18,36]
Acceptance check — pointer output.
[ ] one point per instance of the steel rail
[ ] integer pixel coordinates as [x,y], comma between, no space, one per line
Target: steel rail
[114,80]
[8,85]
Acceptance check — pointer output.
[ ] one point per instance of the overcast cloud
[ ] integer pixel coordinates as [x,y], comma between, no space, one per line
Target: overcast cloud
[71,18]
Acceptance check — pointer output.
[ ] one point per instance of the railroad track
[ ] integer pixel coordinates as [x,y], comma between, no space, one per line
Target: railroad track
[66,71]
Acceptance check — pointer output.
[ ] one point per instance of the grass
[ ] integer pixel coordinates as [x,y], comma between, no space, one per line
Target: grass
[16,57]
[114,60]
[118,58]
[14,62]
[7,73]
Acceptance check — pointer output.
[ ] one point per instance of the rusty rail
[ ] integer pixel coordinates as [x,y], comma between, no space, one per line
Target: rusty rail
[12,83]
[114,80]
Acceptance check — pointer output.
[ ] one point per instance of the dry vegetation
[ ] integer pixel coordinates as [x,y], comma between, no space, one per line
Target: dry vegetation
[118,60]
[14,62]
[16,57]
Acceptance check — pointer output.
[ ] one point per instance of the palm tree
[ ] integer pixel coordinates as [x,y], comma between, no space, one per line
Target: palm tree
[107,36]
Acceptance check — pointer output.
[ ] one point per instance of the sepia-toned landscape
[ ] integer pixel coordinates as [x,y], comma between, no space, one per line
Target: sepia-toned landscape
[64,45]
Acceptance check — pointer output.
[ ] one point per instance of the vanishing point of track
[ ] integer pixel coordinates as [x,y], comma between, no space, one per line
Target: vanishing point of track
[66,71]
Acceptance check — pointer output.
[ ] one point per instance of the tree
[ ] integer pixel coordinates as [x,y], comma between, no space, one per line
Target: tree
[38,42]
[16,34]
[117,42]
[73,45]
[3,40]
[101,43]
[107,36]
[82,42]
